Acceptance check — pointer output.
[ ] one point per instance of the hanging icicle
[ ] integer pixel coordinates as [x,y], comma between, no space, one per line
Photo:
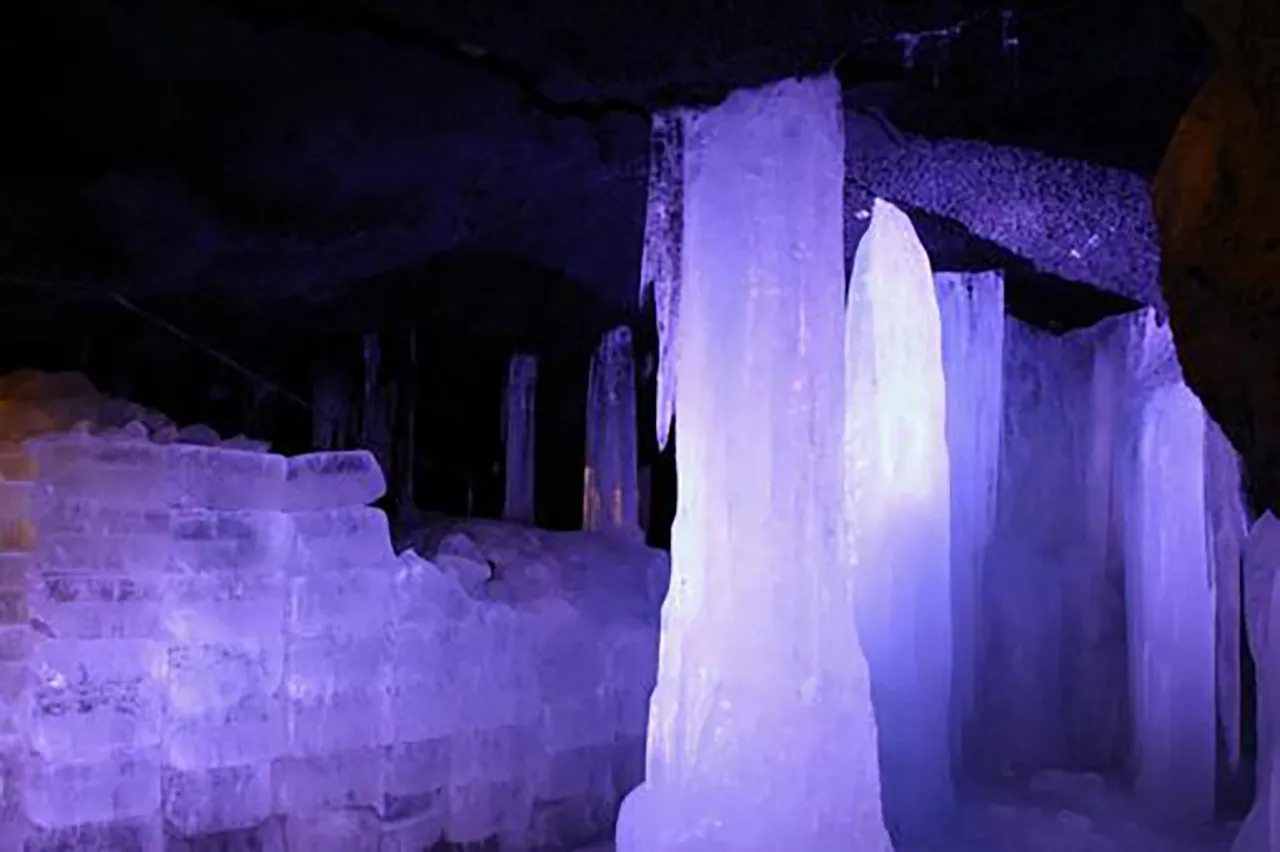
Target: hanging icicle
[661,258]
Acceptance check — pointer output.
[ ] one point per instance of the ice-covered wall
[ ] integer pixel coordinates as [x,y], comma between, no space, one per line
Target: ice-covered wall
[203,645]
[1052,669]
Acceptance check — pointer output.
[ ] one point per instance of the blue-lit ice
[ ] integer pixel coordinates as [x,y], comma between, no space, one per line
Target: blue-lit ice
[610,498]
[517,431]
[971,306]
[1172,611]
[898,512]
[761,731]
[1261,829]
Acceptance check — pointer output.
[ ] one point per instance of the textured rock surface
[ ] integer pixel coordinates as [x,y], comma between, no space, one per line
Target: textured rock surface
[1217,201]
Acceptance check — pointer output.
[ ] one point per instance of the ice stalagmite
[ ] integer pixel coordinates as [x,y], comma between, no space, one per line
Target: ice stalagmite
[610,499]
[1228,526]
[971,306]
[761,733]
[1171,607]
[518,420]
[898,512]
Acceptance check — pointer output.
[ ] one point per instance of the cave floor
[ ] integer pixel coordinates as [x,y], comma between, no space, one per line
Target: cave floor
[1057,812]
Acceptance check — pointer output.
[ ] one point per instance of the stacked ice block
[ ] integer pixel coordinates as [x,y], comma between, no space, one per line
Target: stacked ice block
[211,648]
[328,780]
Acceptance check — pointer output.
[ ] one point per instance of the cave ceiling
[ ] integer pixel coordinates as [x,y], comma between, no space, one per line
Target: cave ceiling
[283,153]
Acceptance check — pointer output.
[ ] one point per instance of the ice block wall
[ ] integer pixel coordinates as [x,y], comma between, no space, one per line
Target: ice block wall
[206,646]
[761,735]
[517,432]
[611,496]
[971,308]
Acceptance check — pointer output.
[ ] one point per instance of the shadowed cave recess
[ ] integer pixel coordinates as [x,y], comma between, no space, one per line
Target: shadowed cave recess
[740,427]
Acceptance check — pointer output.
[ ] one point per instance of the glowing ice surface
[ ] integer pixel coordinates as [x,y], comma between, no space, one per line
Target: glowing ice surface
[1228,527]
[1171,607]
[660,266]
[1261,829]
[761,732]
[610,499]
[522,380]
[971,306]
[898,511]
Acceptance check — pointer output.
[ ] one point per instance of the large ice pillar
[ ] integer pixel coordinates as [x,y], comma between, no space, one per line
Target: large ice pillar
[517,432]
[1172,611]
[1261,829]
[761,733]
[610,498]
[898,512]
[971,306]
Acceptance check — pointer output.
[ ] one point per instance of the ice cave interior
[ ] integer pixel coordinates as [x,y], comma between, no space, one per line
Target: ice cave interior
[690,427]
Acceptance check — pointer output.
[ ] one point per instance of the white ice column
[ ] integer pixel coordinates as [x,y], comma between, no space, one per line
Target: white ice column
[898,512]
[971,306]
[1172,611]
[517,431]
[610,499]
[761,733]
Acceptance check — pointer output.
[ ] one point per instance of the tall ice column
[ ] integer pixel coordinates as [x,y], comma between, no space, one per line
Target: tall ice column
[898,512]
[517,431]
[610,499]
[761,732]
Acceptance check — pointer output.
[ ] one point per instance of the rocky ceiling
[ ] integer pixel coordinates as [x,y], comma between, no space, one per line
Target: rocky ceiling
[290,151]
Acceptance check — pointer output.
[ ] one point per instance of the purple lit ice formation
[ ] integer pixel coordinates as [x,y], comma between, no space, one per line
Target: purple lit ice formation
[761,733]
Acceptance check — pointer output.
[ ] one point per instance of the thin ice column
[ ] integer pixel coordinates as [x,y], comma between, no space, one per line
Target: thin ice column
[518,421]
[761,734]
[610,499]
[971,307]
[1171,603]
[898,511]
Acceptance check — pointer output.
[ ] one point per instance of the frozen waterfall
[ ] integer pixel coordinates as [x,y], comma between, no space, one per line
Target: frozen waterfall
[971,307]
[517,431]
[761,733]
[610,499]
[898,512]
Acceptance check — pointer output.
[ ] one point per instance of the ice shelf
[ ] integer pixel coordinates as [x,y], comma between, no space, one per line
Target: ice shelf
[610,499]
[518,431]
[761,733]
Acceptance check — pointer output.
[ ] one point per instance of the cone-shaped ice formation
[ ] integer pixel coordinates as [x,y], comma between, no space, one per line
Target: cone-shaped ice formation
[518,413]
[898,511]
[660,260]
[1261,830]
[1171,610]
[610,498]
[971,306]
[761,733]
